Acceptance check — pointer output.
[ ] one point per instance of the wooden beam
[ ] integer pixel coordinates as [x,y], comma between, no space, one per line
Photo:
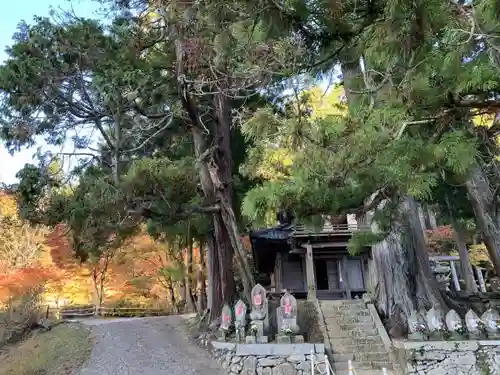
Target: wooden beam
[345,277]
[444,258]
[480,278]
[278,273]
[454,276]
[322,245]
[311,279]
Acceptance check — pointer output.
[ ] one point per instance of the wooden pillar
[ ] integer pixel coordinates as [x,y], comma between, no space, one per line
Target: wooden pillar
[345,277]
[480,278]
[311,279]
[278,273]
[454,276]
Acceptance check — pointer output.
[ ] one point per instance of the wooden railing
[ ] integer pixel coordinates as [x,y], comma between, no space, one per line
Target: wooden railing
[446,270]
[329,229]
[86,311]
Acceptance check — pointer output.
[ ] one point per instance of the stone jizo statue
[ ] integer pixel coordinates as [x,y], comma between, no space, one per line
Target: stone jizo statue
[240,319]
[226,321]
[259,315]
[472,322]
[491,320]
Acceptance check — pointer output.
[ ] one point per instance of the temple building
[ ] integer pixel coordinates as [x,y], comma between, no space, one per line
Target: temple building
[312,265]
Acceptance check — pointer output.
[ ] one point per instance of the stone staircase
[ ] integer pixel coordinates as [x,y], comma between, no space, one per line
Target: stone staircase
[351,335]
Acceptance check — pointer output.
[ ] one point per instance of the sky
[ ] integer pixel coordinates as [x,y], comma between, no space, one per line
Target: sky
[26,10]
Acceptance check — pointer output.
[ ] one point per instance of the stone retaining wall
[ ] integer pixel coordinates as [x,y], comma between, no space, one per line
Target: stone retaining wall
[449,357]
[269,359]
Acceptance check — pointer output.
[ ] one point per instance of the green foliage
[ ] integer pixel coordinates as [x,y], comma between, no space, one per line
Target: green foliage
[363,239]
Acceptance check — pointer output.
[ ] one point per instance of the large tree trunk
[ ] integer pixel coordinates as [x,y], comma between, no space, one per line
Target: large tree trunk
[215,169]
[482,198]
[200,281]
[189,272]
[214,294]
[220,250]
[224,186]
[400,277]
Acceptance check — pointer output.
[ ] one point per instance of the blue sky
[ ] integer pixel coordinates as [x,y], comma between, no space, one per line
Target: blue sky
[25,10]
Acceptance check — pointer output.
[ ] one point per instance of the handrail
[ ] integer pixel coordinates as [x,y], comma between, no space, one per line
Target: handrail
[91,310]
[329,368]
[300,230]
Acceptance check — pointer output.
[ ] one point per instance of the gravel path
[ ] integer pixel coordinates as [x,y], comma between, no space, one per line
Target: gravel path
[145,346]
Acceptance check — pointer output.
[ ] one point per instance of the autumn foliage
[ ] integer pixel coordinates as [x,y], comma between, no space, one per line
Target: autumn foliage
[142,272]
[440,241]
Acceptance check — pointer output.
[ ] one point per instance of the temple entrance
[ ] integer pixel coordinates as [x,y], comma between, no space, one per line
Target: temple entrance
[321,273]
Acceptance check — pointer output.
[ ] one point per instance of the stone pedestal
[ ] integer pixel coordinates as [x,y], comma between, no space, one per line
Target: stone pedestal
[283,339]
[298,339]
[222,336]
[250,340]
[417,336]
[240,334]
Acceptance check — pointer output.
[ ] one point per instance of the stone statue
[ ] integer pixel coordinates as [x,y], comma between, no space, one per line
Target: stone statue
[416,326]
[491,320]
[240,319]
[473,324]
[455,325]
[226,321]
[287,319]
[259,315]
[435,323]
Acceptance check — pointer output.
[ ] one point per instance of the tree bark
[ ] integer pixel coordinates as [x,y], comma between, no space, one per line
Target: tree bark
[482,196]
[189,272]
[463,251]
[171,296]
[214,282]
[400,277]
[223,185]
[215,171]
[200,281]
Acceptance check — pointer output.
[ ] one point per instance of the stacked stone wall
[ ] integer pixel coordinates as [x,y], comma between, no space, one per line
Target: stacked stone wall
[269,359]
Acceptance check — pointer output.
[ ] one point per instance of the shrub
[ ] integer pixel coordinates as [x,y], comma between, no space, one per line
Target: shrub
[21,314]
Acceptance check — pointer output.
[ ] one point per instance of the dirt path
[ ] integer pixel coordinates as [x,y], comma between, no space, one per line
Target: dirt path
[145,346]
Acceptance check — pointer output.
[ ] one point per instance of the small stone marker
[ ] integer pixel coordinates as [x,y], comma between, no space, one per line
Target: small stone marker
[491,320]
[416,326]
[259,314]
[454,324]
[226,320]
[472,323]
[435,323]
[287,319]
[240,320]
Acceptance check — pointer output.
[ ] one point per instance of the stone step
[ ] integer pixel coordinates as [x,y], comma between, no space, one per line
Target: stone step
[356,326]
[344,307]
[362,357]
[357,315]
[356,332]
[345,314]
[373,366]
[365,372]
[359,348]
[358,341]
[341,302]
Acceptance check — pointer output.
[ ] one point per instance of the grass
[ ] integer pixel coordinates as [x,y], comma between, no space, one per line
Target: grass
[60,351]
